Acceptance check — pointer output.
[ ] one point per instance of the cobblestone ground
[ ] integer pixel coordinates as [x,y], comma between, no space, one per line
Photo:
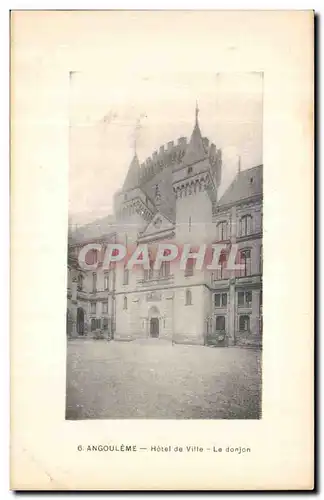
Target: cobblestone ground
[153,379]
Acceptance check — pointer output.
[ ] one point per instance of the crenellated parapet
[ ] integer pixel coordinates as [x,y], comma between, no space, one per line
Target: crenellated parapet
[167,156]
[171,155]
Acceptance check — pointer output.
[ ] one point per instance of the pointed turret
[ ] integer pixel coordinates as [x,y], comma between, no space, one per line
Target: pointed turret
[195,151]
[132,177]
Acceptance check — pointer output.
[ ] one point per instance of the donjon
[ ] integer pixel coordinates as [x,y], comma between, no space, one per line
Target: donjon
[173,197]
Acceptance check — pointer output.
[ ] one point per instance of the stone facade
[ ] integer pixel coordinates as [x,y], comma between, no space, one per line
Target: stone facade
[173,197]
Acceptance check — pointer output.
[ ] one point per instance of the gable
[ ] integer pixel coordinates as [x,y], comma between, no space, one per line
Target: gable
[158,224]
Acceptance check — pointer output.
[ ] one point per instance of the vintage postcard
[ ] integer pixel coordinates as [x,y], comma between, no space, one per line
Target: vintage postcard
[162,182]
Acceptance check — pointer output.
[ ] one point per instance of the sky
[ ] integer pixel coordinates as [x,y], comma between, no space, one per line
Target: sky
[109,111]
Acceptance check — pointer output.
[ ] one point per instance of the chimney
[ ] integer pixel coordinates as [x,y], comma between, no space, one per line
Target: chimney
[206,143]
[212,150]
[170,145]
[161,150]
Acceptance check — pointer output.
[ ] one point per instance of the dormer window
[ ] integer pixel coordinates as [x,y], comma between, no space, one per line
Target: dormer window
[189,170]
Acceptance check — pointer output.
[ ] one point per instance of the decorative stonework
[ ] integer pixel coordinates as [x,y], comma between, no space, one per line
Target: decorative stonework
[193,185]
[136,205]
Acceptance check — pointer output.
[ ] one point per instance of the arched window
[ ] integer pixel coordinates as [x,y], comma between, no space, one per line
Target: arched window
[125,303]
[245,225]
[244,323]
[222,230]
[220,323]
[188,298]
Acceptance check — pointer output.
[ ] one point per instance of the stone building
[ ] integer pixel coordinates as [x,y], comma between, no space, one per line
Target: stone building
[173,197]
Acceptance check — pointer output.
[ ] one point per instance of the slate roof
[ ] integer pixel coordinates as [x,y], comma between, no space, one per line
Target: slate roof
[247,183]
[195,150]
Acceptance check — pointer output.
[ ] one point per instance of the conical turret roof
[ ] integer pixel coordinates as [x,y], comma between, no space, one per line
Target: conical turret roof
[132,177]
[195,151]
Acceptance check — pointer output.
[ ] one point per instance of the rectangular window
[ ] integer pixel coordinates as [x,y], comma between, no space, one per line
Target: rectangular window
[189,267]
[224,299]
[80,282]
[105,323]
[245,258]
[222,231]
[126,276]
[246,225]
[165,269]
[93,307]
[220,323]
[106,281]
[240,299]
[220,299]
[94,282]
[105,307]
[244,299]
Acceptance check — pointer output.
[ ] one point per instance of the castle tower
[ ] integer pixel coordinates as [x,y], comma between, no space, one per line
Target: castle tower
[195,189]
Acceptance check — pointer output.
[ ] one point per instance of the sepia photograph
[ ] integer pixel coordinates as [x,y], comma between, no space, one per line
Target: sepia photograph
[164,257]
[160,318]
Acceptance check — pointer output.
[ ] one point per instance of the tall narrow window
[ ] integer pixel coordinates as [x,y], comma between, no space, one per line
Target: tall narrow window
[80,282]
[125,303]
[189,267]
[188,298]
[104,307]
[246,261]
[244,323]
[246,225]
[222,263]
[106,281]
[189,224]
[94,282]
[93,324]
[93,307]
[261,259]
[222,230]
[126,276]
[220,323]
[165,269]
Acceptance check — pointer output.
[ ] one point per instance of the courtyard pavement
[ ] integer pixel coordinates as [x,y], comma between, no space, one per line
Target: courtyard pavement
[153,379]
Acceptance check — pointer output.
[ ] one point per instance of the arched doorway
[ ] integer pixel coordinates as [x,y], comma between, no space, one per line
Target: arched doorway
[154,322]
[80,321]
